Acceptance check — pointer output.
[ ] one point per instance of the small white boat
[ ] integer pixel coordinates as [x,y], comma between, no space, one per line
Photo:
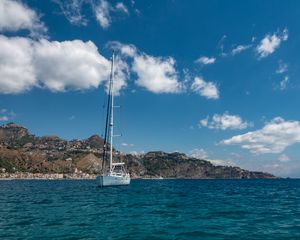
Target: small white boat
[115,174]
[114,178]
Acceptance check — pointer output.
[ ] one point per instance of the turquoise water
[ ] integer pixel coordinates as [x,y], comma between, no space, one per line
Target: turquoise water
[150,209]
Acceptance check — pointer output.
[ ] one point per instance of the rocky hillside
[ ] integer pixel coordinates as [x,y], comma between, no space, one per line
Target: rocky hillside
[23,152]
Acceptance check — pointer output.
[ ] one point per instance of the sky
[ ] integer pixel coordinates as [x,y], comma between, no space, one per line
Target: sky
[214,79]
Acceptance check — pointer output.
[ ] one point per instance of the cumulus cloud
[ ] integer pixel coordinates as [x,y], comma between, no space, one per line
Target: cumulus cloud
[121,74]
[17,70]
[69,65]
[206,60]
[270,43]
[205,89]
[240,48]
[77,65]
[198,153]
[58,66]
[224,121]
[274,137]
[156,74]
[15,16]
[126,49]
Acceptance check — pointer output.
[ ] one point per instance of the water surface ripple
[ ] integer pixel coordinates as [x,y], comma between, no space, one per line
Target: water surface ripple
[150,209]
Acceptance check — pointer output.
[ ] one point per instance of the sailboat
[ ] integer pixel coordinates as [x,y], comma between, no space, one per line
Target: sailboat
[115,174]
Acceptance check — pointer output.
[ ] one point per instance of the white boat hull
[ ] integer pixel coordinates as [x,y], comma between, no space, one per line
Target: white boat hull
[105,181]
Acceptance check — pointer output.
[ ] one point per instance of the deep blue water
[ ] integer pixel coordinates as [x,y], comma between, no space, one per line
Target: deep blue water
[150,209]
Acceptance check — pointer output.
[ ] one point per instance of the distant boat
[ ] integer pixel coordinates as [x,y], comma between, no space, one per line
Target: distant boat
[115,174]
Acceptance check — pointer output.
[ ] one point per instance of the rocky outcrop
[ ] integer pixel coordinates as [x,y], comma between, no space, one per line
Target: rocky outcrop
[89,163]
[21,151]
[13,134]
[178,165]
[95,142]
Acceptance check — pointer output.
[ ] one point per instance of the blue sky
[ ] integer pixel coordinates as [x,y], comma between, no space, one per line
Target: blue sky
[213,79]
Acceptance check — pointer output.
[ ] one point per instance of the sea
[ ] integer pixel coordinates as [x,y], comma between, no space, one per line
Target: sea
[150,209]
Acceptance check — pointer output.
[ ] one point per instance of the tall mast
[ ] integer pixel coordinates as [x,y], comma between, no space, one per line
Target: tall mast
[111,124]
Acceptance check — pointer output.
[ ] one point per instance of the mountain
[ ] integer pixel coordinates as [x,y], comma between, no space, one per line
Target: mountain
[12,133]
[24,152]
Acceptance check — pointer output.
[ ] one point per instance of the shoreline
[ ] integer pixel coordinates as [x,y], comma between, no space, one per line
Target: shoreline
[46,176]
[61,176]
[56,176]
[88,176]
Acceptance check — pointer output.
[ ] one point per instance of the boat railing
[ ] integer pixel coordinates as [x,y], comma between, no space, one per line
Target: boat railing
[121,174]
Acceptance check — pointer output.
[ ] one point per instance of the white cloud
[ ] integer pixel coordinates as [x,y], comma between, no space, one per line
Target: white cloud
[127,50]
[225,121]
[284,82]
[102,12]
[220,46]
[4,118]
[282,68]
[203,155]
[58,66]
[240,48]
[127,144]
[270,43]
[283,158]
[6,115]
[15,16]
[206,60]
[72,11]
[17,71]
[69,65]
[221,162]
[205,89]
[198,153]
[204,122]
[137,153]
[156,74]
[274,137]
[121,7]
[121,75]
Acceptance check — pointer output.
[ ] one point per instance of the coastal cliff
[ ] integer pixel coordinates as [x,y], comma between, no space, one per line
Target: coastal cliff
[22,152]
